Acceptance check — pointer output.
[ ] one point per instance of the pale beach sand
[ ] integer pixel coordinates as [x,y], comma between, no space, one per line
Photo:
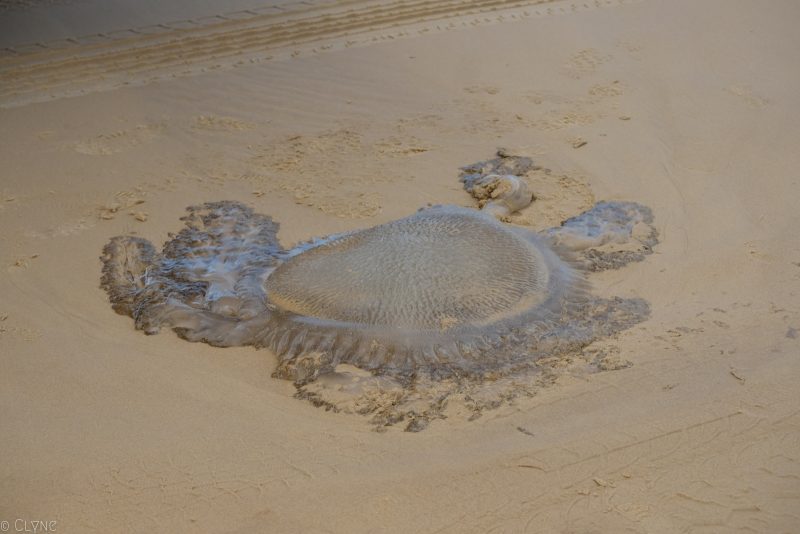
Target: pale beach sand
[332,116]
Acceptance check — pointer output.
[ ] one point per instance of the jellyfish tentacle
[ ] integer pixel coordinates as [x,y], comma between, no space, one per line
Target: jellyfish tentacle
[208,281]
[230,249]
[128,263]
[610,235]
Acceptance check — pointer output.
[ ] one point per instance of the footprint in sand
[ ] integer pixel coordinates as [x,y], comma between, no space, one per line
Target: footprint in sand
[747,95]
[585,62]
[221,124]
[482,89]
[119,141]
[320,171]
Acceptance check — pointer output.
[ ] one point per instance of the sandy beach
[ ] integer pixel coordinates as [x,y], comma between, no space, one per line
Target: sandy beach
[339,115]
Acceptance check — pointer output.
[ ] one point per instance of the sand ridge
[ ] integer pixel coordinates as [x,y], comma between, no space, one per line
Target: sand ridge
[48,70]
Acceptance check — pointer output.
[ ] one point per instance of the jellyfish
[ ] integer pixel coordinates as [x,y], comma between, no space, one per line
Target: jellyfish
[446,295]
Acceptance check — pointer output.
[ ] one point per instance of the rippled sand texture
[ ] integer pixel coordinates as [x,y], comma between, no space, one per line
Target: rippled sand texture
[336,116]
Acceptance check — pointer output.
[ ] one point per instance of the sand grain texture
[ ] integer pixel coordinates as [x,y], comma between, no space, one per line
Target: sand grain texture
[693,427]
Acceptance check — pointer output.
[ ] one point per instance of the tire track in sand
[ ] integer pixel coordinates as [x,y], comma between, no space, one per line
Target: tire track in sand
[128,61]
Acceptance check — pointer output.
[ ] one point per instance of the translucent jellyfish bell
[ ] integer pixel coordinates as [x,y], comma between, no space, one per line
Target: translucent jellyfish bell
[427,291]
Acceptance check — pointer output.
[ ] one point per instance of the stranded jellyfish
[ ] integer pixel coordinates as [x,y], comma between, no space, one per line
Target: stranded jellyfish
[379,319]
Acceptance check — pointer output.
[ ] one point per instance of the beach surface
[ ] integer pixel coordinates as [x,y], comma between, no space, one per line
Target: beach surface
[334,116]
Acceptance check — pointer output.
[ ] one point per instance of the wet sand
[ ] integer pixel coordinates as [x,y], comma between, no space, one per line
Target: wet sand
[343,115]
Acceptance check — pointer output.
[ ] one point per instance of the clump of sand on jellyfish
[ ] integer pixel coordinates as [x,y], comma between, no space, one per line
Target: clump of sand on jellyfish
[391,320]
[497,183]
